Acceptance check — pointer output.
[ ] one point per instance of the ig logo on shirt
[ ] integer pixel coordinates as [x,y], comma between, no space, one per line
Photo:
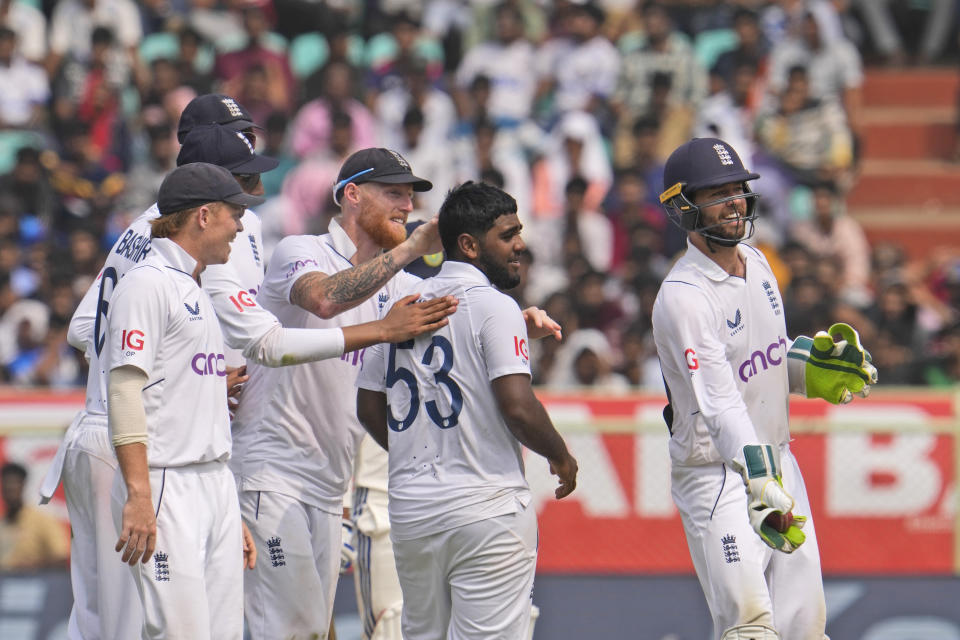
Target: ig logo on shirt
[520,347]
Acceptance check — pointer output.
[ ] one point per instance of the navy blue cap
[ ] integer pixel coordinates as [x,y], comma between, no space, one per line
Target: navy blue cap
[219,145]
[213,108]
[704,162]
[192,185]
[377,165]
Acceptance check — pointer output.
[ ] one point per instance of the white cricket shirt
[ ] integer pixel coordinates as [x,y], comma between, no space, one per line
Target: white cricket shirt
[231,286]
[163,323]
[296,431]
[453,460]
[723,344]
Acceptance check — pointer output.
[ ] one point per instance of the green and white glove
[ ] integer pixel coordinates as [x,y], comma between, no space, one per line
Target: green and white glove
[835,371]
[766,497]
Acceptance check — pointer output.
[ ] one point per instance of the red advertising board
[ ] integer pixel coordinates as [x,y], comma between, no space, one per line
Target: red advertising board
[881,482]
[880,474]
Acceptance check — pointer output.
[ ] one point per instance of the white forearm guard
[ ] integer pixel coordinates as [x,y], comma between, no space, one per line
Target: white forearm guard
[280,346]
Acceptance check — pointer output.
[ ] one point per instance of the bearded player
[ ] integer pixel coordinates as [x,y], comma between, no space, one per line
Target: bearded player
[729,366]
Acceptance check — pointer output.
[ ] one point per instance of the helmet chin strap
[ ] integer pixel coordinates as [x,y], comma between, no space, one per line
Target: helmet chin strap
[725,242]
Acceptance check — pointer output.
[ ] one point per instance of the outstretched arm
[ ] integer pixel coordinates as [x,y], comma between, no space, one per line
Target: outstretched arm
[329,295]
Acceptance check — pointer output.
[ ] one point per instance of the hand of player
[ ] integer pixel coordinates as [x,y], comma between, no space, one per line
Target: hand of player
[766,496]
[348,553]
[425,239]
[249,548]
[540,325]
[566,471]
[835,370]
[138,531]
[236,376]
[408,318]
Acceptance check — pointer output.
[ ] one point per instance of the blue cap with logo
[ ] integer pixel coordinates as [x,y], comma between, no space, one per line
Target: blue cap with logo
[225,148]
[704,162]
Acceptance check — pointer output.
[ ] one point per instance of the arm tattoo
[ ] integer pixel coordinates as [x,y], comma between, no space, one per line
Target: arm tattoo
[349,287]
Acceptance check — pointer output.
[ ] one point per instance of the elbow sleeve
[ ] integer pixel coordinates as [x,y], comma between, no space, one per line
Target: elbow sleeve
[126,415]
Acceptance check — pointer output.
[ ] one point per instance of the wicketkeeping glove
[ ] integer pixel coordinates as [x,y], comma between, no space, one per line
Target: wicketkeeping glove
[835,371]
[765,495]
[348,554]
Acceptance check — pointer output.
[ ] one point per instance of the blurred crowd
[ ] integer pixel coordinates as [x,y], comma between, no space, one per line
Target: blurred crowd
[572,107]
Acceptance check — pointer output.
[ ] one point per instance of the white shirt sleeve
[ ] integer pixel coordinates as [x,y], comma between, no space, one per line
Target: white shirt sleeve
[503,337]
[242,320]
[689,323]
[136,322]
[373,373]
[81,329]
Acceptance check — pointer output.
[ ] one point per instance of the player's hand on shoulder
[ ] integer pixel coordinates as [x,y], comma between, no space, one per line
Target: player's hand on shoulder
[835,370]
[410,316]
[138,530]
[541,325]
[566,470]
[425,239]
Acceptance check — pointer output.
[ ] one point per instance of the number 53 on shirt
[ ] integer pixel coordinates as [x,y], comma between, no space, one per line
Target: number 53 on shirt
[397,374]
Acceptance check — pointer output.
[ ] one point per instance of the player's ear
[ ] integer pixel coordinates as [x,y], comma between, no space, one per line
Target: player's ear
[468,245]
[351,192]
[204,215]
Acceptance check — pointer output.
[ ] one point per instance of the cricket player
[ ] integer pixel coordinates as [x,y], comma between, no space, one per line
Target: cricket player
[729,367]
[167,415]
[453,409]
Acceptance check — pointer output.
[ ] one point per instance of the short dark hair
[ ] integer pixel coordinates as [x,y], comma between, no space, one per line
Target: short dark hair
[13,468]
[472,208]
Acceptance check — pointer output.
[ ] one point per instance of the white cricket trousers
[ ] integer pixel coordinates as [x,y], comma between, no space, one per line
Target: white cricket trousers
[744,580]
[289,595]
[473,582]
[375,580]
[105,601]
[192,588]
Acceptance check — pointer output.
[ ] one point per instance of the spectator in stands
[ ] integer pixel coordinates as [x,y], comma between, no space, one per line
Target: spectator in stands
[489,149]
[217,22]
[484,24]
[885,21]
[835,235]
[406,40]
[74,21]
[194,71]
[751,51]
[27,187]
[144,178]
[833,65]
[809,136]
[414,90]
[581,74]
[667,54]
[25,87]
[726,112]
[29,538]
[575,146]
[275,146]
[310,131]
[231,68]
[586,359]
[506,61]
[30,25]
[433,157]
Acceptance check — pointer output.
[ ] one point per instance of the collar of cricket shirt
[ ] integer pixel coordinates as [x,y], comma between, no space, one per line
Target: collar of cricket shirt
[341,242]
[464,272]
[174,255]
[708,267]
